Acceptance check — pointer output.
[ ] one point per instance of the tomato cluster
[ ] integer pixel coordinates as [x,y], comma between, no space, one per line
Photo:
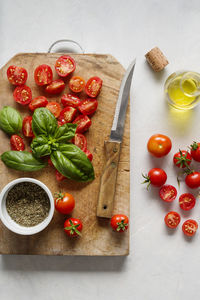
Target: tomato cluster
[160,145]
[75,110]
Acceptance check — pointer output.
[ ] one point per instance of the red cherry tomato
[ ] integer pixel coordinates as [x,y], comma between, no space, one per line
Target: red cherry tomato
[67,115]
[119,223]
[83,123]
[159,145]
[182,159]
[70,100]
[189,227]
[43,75]
[80,141]
[54,108]
[172,219]
[195,151]
[156,177]
[89,154]
[76,84]
[50,162]
[55,87]
[17,75]
[59,176]
[168,193]
[22,94]
[37,102]
[73,227]
[187,201]
[65,65]
[93,87]
[193,180]
[64,203]
[27,127]
[17,143]
[88,106]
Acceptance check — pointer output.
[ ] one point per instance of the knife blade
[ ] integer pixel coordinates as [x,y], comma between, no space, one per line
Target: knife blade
[113,148]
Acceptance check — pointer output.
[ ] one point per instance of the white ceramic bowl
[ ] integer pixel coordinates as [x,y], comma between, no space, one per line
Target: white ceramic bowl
[11,224]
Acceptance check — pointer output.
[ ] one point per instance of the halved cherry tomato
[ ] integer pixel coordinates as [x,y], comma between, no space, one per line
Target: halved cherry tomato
[88,106]
[22,94]
[119,223]
[17,75]
[73,227]
[76,84]
[17,143]
[187,201]
[193,180]
[156,177]
[43,75]
[27,127]
[59,176]
[93,86]
[172,219]
[65,65]
[64,203]
[55,87]
[189,227]
[168,193]
[195,151]
[182,159]
[80,141]
[54,108]
[89,154]
[67,115]
[83,123]
[159,145]
[70,100]
[49,161]
[37,102]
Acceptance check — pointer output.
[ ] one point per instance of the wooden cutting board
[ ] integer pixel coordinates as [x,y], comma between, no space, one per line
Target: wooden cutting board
[97,235]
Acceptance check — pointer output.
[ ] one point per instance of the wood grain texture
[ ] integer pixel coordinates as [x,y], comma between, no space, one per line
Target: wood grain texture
[97,238]
[108,180]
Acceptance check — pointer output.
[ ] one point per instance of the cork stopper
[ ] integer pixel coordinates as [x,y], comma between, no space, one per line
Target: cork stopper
[156,59]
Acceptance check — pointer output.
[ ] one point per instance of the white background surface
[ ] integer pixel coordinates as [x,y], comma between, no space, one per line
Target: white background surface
[161,265]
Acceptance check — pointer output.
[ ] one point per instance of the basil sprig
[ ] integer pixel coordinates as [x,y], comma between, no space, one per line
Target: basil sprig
[10,120]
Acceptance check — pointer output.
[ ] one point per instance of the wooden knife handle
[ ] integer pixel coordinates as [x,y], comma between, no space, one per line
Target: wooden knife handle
[108,180]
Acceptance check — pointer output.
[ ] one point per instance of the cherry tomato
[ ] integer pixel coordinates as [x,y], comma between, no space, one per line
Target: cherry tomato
[59,176]
[27,127]
[80,141]
[172,219]
[43,75]
[156,177]
[70,100]
[55,87]
[189,227]
[83,123]
[17,75]
[67,115]
[168,193]
[93,87]
[119,223]
[64,203]
[54,108]
[76,84]
[50,162]
[65,65]
[187,201]
[159,145]
[195,151]
[88,106]
[89,154]
[17,143]
[193,180]
[73,227]
[22,94]
[182,159]
[37,102]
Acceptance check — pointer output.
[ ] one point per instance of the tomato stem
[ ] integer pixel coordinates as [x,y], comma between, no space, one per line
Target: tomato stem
[73,228]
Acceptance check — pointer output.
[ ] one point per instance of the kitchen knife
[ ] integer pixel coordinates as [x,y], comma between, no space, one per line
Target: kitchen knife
[113,148]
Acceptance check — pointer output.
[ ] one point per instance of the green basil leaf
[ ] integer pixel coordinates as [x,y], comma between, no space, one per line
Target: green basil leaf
[43,122]
[40,146]
[10,120]
[22,161]
[73,163]
[65,132]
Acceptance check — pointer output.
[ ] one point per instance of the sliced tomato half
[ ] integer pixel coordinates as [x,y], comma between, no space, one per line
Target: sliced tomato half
[83,123]
[88,106]
[54,108]
[27,127]
[37,102]
[17,143]
[55,87]
[93,86]
[80,141]
[70,100]
[168,193]
[22,94]
[190,227]
[187,201]
[17,75]
[43,75]
[172,219]
[65,65]
[67,115]
[76,84]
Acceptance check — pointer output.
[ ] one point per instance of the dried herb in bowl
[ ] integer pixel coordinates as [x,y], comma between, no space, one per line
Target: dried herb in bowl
[27,204]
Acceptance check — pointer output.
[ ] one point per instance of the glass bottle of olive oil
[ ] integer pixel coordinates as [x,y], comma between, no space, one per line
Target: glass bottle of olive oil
[183,89]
